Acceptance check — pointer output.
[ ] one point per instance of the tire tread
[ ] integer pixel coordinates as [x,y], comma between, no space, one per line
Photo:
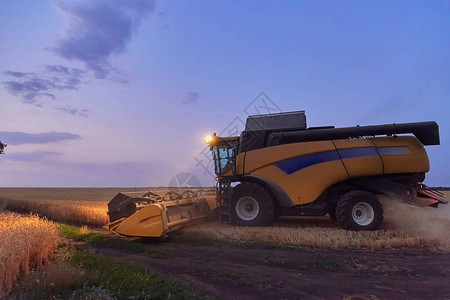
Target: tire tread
[265,201]
[346,203]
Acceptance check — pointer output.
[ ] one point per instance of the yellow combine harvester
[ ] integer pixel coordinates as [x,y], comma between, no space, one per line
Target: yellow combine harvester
[279,167]
[286,169]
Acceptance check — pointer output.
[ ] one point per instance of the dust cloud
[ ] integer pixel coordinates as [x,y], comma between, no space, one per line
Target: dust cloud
[431,224]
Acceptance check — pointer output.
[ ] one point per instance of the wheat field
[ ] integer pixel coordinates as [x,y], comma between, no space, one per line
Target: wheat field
[405,226]
[74,205]
[25,242]
[81,212]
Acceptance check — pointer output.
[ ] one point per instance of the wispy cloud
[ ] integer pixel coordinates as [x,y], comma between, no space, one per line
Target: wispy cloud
[33,156]
[35,88]
[17,138]
[17,74]
[190,98]
[73,111]
[162,16]
[98,29]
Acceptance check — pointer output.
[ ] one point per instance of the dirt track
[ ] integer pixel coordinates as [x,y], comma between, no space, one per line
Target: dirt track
[254,272]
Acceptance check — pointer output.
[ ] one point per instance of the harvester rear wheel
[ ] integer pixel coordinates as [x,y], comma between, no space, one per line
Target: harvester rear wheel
[359,210]
[332,213]
[251,205]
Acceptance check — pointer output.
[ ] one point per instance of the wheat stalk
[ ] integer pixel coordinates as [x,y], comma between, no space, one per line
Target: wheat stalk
[25,242]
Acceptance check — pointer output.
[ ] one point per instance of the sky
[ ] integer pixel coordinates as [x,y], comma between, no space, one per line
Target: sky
[122,93]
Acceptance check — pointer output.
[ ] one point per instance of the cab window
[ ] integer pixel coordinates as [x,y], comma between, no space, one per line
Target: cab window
[223,159]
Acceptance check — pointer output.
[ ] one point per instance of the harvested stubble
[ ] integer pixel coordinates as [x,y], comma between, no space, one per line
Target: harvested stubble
[25,242]
[312,236]
[405,226]
[80,212]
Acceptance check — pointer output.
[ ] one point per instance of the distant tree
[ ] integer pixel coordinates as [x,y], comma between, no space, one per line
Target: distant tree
[2,146]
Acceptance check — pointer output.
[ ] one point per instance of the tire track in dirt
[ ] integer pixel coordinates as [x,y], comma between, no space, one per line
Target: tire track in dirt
[252,272]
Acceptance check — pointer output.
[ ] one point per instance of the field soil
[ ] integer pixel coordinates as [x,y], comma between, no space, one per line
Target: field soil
[255,271]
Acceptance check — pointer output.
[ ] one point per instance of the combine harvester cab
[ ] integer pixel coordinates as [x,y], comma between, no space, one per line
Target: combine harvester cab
[146,214]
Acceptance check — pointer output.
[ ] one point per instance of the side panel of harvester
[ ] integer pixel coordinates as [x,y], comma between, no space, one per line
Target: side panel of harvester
[403,154]
[305,170]
[390,155]
[360,157]
[302,170]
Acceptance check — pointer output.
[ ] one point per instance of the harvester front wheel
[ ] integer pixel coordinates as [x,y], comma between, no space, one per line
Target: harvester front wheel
[252,205]
[359,210]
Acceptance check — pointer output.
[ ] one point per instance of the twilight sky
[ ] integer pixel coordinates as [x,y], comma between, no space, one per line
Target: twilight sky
[121,93]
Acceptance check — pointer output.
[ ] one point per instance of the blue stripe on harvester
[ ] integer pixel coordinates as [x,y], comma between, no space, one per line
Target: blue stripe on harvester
[393,150]
[295,164]
[357,152]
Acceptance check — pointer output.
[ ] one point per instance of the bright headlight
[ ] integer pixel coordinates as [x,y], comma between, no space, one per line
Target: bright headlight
[209,139]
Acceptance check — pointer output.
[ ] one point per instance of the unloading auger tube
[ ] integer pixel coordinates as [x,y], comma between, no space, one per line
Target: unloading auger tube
[280,167]
[146,214]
